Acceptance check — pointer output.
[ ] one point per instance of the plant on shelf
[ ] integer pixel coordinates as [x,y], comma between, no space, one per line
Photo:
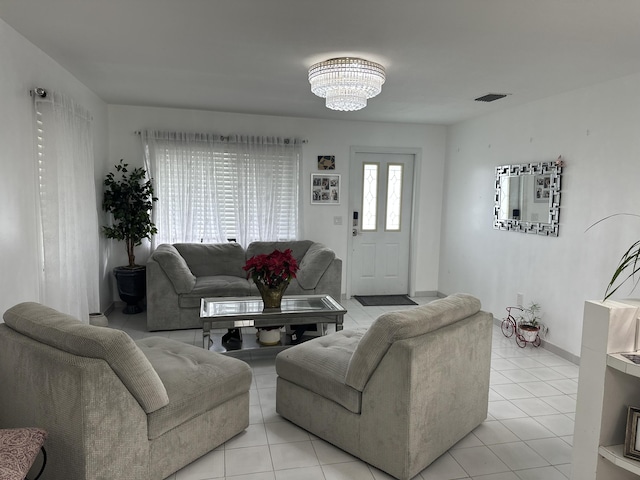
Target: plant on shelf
[529,323]
[129,199]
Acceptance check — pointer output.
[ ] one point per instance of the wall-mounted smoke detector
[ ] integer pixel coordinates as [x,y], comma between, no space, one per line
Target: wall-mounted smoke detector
[491,97]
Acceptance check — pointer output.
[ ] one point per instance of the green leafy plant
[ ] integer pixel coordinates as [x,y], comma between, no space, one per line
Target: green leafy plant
[530,318]
[129,198]
[531,315]
[628,265]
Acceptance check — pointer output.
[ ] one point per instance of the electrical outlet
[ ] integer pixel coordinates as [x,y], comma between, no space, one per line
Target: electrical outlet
[519,298]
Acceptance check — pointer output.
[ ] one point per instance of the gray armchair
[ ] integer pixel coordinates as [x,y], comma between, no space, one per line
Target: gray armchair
[114,408]
[399,394]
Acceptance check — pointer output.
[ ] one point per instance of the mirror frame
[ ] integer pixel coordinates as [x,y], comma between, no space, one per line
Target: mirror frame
[549,229]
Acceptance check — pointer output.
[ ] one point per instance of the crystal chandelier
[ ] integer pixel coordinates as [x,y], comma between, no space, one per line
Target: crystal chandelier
[346,83]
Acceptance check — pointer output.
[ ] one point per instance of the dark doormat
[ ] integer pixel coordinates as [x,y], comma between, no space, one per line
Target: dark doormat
[383,300]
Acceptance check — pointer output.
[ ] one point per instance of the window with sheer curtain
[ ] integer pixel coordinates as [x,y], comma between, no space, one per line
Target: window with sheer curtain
[215,189]
[67,213]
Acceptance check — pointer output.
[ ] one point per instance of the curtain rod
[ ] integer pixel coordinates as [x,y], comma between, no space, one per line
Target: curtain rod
[223,137]
[40,92]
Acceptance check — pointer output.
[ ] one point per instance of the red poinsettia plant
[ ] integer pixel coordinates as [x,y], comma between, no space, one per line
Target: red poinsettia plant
[272,269]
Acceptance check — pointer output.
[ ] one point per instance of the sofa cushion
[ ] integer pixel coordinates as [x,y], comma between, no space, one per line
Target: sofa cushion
[403,324]
[175,267]
[208,259]
[196,381]
[298,248]
[66,333]
[321,364]
[218,286]
[313,265]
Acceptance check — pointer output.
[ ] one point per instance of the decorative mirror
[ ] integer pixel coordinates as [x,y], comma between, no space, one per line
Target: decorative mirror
[528,198]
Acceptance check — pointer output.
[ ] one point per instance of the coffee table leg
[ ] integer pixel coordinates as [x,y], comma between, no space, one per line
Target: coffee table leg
[339,322]
[206,334]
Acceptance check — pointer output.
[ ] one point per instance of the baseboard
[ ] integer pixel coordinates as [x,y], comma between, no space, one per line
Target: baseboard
[428,293]
[109,309]
[551,347]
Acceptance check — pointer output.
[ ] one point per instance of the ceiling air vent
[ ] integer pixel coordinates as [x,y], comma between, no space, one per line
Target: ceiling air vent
[491,97]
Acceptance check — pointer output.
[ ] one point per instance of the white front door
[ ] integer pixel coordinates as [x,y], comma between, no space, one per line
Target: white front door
[380,197]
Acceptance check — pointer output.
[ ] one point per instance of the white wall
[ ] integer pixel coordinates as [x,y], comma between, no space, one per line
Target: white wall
[25,67]
[596,130]
[325,137]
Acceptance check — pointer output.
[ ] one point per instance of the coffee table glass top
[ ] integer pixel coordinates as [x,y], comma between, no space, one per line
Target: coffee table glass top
[253,306]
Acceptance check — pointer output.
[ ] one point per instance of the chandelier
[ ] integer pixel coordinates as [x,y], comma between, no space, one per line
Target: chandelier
[346,82]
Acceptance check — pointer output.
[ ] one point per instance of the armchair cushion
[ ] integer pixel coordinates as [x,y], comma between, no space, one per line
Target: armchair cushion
[196,380]
[66,333]
[314,264]
[175,267]
[320,365]
[401,325]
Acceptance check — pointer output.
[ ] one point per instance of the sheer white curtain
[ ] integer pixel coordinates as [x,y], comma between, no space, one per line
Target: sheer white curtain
[68,219]
[214,189]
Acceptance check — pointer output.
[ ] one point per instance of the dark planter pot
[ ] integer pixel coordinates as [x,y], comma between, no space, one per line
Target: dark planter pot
[132,287]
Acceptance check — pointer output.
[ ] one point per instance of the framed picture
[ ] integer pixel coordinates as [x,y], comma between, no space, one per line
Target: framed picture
[632,439]
[326,162]
[541,188]
[325,189]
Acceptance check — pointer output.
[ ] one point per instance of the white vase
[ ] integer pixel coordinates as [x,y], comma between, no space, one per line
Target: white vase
[98,320]
[269,337]
[529,334]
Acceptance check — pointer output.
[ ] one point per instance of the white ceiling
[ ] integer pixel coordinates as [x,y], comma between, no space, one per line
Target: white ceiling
[251,56]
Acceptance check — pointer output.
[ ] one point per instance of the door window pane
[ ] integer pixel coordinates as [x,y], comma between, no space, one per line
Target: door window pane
[370,196]
[394,197]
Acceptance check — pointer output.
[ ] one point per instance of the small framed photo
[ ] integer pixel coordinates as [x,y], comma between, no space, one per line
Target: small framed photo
[326,162]
[632,437]
[325,189]
[541,188]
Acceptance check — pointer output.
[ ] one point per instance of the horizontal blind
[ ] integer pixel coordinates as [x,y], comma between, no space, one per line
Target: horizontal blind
[213,190]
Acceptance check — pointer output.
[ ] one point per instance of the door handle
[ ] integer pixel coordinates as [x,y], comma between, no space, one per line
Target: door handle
[354,232]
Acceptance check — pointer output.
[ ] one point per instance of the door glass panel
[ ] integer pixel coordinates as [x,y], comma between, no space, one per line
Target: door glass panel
[370,196]
[394,197]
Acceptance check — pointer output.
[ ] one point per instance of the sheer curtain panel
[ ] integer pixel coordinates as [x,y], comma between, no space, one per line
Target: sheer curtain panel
[215,189]
[68,219]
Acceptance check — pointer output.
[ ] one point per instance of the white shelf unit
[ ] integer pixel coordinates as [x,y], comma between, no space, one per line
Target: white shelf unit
[608,384]
[615,456]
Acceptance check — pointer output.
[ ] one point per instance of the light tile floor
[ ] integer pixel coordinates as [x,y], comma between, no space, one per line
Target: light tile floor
[527,436]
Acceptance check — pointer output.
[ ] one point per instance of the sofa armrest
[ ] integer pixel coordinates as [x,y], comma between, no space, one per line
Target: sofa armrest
[175,268]
[313,265]
[330,282]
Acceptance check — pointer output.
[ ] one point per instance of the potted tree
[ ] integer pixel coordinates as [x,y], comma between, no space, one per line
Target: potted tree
[128,196]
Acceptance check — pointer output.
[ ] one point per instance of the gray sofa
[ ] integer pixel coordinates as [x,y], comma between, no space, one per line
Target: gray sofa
[399,394]
[180,275]
[114,408]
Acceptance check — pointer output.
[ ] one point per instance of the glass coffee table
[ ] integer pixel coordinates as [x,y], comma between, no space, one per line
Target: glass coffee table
[238,312]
